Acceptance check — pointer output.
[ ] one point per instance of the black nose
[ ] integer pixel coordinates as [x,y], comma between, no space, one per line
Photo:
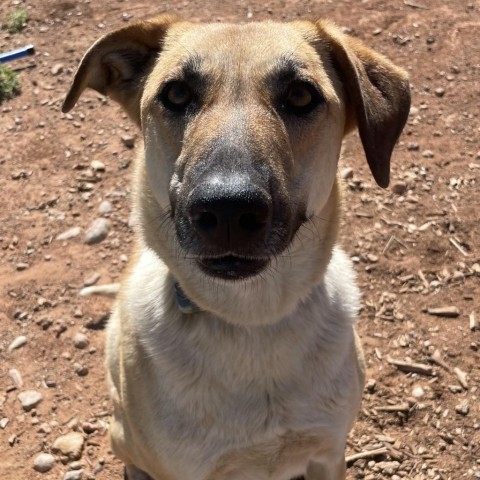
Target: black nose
[230,212]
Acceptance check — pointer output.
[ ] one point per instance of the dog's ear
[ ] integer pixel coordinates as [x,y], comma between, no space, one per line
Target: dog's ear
[378,96]
[118,63]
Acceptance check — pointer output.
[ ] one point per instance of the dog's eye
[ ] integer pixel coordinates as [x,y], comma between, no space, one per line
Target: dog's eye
[301,98]
[176,95]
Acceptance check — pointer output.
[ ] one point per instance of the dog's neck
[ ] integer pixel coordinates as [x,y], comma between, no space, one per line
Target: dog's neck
[184,304]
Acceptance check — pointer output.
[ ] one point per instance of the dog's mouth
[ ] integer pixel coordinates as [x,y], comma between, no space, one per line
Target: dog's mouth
[232,267]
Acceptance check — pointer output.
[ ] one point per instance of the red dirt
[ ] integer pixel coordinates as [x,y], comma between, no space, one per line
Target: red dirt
[413,251]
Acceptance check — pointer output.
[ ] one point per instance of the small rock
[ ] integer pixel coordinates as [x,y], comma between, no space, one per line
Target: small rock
[371,385]
[91,280]
[399,188]
[427,154]
[69,445]
[80,370]
[44,428]
[43,462]
[128,141]
[22,266]
[97,166]
[70,233]
[97,231]
[20,341]
[29,399]
[80,340]
[418,391]
[346,173]
[73,475]
[4,422]
[17,380]
[105,207]
[57,69]
[413,147]
[439,92]
[462,408]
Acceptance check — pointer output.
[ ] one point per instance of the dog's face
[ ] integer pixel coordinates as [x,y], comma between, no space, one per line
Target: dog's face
[245,111]
[243,127]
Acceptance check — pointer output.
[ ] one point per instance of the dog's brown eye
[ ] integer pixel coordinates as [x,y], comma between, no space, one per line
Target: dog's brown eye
[176,95]
[301,98]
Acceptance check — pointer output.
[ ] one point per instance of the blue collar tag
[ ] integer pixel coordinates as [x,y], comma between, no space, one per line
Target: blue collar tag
[184,303]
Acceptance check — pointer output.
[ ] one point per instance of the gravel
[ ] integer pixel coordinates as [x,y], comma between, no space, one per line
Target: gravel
[43,462]
[29,399]
[97,231]
[69,445]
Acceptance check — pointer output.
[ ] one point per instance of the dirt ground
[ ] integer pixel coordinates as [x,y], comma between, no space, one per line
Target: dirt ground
[415,245]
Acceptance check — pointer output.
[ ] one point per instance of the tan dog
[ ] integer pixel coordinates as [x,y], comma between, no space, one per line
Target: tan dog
[231,349]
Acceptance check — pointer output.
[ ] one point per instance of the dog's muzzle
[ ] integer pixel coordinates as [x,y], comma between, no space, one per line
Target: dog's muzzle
[231,215]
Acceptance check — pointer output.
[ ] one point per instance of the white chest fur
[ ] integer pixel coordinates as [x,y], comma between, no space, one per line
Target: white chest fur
[217,393]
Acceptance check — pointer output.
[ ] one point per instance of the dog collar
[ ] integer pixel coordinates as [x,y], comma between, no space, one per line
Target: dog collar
[184,303]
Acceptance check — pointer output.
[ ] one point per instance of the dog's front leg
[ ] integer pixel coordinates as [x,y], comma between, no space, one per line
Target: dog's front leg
[133,473]
[331,469]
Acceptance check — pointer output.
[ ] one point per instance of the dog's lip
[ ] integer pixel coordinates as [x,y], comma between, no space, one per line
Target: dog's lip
[232,267]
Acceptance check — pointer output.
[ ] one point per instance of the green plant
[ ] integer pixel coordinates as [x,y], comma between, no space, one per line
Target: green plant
[9,83]
[16,20]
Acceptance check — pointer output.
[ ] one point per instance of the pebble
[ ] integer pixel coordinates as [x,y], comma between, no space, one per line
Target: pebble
[92,279]
[105,207]
[43,462]
[20,341]
[97,166]
[346,173]
[128,141]
[69,445]
[427,154]
[80,370]
[73,475]
[70,233]
[439,92]
[29,399]
[57,69]
[462,408]
[80,340]
[17,380]
[22,266]
[399,188]
[418,391]
[97,231]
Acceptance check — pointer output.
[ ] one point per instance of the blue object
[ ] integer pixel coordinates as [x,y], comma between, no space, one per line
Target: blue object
[17,53]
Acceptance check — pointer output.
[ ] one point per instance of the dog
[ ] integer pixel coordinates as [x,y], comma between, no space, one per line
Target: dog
[231,350]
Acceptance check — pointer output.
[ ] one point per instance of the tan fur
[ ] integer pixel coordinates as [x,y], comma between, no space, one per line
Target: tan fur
[265,381]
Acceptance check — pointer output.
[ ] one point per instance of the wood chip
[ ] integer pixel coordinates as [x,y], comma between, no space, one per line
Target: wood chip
[410,3]
[462,377]
[401,407]
[437,358]
[458,247]
[367,454]
[408,367]
[450,312]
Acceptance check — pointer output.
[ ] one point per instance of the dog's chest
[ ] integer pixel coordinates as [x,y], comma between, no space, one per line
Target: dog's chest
[228,401]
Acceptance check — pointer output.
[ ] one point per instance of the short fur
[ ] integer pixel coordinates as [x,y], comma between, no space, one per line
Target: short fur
[265,381]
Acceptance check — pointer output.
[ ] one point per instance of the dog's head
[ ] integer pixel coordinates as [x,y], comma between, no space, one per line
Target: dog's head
[243,126]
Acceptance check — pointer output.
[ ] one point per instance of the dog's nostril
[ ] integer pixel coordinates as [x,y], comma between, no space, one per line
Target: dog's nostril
[206,220]
[250,222]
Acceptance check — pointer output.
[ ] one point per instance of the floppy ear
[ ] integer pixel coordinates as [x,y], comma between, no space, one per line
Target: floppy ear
[378,96]
[118,63]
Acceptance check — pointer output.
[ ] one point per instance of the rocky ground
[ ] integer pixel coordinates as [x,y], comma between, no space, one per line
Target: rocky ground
[65,224]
